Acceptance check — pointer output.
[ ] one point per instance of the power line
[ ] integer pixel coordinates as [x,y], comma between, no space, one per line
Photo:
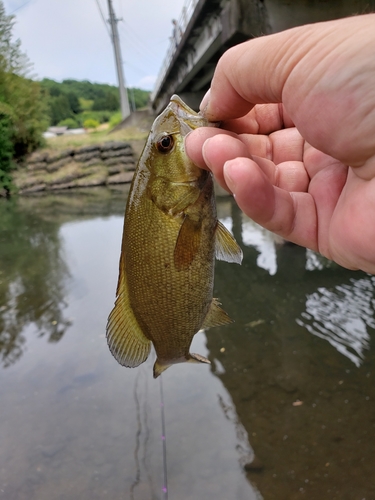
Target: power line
[129,31]
[103,18]
[140,71]
[20,7]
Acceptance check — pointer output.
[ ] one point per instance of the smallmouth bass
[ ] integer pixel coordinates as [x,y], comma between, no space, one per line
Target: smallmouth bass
[170,239]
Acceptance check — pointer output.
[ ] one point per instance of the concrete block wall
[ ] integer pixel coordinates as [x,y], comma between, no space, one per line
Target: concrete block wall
[100,164]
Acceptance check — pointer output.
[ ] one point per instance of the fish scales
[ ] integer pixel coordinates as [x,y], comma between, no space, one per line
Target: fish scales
[170,238]
[184,307]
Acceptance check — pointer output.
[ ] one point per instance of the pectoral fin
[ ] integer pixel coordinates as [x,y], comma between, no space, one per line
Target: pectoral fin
[226,246]
[187,244]
[216,316]
[126,341]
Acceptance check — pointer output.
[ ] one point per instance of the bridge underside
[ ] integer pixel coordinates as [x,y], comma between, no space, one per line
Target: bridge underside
[217,25]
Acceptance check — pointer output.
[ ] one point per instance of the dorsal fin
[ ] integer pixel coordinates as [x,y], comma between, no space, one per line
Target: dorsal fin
[126,341]
[226,246]
[216,316]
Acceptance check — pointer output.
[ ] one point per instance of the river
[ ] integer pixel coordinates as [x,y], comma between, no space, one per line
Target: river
[285,411]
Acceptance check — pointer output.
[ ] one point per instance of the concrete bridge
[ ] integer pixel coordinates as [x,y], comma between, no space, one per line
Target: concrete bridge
[206,28]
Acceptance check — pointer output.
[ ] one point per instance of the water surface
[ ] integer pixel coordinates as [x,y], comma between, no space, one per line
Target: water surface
[291,381]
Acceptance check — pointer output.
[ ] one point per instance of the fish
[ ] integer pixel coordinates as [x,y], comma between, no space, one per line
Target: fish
[171,237]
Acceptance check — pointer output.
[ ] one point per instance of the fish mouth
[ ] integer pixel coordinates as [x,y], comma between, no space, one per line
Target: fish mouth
[188,116]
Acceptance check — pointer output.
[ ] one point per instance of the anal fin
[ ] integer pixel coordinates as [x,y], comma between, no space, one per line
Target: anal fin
[216,316]
[159,368]
[198,358]
[126,341]
[226,246]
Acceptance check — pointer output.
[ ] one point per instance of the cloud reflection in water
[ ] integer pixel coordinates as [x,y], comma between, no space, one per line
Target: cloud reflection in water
[262,240]
[342,316]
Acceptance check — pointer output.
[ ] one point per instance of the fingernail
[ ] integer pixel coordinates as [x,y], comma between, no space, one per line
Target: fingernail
[208,163]
[186,140]
[187,135]
[205,101]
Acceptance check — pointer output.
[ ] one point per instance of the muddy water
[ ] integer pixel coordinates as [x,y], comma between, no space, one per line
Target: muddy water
[285,411]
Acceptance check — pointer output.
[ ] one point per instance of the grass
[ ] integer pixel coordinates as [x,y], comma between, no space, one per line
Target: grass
[94,137]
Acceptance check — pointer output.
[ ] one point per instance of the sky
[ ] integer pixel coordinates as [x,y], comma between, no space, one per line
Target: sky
[68,38]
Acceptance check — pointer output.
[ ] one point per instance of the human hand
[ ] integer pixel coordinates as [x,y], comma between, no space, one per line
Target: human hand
[297,148]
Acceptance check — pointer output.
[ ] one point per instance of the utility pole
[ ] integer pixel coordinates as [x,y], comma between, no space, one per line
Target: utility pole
[125,110]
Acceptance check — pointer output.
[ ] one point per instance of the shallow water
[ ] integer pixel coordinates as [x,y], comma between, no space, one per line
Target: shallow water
[291,381]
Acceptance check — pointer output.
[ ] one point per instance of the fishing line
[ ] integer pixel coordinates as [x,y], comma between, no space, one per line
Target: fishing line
[137,439]
[164,441]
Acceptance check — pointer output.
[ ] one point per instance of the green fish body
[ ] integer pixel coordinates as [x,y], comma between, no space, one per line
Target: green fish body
[170,239]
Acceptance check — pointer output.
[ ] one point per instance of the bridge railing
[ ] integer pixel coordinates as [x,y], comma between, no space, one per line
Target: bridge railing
[179,28]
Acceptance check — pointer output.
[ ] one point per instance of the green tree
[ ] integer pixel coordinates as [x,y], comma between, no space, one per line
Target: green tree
[74,103]
[84,96]
[28,113]
[22,112]
[109,102]
[69,122]
[6,152]
[59,109]
[138,97]
[91,123]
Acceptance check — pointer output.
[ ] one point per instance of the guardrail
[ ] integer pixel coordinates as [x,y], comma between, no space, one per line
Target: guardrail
[180,26]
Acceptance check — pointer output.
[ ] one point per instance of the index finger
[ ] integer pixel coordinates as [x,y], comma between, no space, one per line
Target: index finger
[243,76]
[275,68]
[261,119]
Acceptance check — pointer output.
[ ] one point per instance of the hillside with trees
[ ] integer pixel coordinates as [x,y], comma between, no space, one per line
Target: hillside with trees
[28,107]
[72,102]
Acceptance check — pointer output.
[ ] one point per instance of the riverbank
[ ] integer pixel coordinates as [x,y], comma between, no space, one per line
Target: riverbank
[92,159]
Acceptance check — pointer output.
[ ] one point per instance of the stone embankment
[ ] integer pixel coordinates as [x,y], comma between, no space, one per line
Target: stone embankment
[103,164]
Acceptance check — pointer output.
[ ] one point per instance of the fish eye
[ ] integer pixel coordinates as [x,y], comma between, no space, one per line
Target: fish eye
[165,144]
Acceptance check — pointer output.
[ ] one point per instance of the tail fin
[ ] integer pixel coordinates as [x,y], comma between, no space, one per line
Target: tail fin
[160,367]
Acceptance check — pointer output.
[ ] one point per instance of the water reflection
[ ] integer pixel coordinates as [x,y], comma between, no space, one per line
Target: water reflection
[341,315]
[307,410]
[32,280]
[75,424]
[33,271]
[245,451]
